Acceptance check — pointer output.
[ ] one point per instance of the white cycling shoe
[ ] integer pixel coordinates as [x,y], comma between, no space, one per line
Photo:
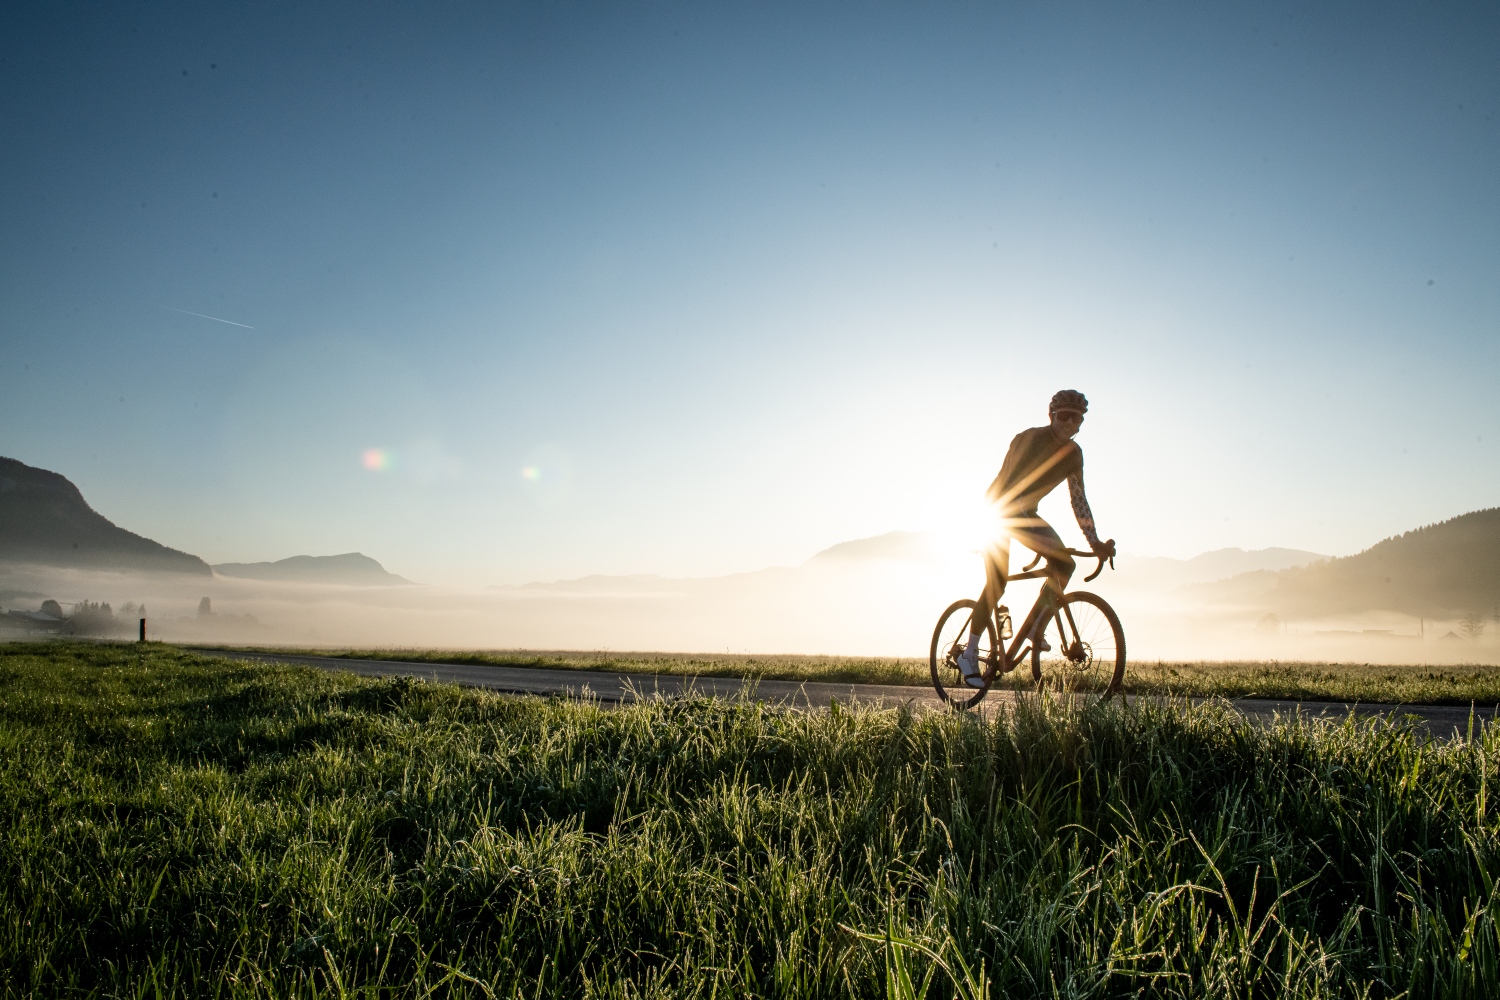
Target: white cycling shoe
[968,665]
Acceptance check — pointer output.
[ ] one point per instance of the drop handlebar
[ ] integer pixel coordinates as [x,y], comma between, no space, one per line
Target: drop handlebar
[1077,552]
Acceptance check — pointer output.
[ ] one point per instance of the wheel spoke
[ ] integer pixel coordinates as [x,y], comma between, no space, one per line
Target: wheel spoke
[1087,658]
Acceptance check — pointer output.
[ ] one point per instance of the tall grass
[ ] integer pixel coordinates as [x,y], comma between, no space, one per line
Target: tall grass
[171,824]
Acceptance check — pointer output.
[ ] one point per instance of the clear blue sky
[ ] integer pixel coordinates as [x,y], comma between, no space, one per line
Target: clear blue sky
[643,288]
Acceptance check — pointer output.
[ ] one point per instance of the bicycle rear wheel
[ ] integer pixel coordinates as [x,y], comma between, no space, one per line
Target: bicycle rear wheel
[1087,658]
[948,641]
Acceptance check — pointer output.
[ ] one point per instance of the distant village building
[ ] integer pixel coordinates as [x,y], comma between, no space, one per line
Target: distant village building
[36,623]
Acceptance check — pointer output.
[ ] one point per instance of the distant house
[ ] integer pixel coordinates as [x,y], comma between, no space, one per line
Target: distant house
[36,623]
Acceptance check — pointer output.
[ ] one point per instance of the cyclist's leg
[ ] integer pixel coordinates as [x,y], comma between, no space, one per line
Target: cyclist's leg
[996,569]
[1039,536]
[996,566]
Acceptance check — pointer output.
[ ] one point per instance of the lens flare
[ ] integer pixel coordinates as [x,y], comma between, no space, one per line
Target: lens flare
[967,527]
[377,459]
[547,474]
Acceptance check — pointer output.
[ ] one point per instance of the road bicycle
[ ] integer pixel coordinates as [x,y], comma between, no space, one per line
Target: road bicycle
[1087,656]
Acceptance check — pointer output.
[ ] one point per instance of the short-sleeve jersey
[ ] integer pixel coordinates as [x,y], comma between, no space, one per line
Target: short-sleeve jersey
[1034,466]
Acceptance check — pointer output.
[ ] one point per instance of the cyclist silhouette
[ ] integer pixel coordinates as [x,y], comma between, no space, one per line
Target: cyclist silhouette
[1038,460]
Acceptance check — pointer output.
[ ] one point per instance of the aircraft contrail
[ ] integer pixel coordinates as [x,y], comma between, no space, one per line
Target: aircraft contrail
[216,319]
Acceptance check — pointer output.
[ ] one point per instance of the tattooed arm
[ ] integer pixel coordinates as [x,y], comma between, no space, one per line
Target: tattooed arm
[1085,515]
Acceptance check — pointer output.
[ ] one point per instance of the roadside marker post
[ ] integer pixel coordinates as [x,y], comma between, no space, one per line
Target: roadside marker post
[143,630]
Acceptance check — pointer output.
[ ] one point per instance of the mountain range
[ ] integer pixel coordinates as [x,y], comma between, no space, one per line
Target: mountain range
[1219,564]
[1448,568]
[352,569]
[45,520]
[896,547]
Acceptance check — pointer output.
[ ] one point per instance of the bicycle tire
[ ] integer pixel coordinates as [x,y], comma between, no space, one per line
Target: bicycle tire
[948,640]
[1089,666]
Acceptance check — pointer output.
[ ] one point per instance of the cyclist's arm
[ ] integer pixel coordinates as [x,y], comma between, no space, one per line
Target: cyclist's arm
[1082,512]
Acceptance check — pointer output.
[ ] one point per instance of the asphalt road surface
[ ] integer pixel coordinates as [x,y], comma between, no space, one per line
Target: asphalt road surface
[619,688]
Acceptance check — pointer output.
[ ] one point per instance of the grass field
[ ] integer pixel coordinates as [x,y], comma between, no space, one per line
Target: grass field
[176,825]
[1361,682]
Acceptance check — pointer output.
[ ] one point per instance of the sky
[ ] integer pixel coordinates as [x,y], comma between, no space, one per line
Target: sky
[509,292]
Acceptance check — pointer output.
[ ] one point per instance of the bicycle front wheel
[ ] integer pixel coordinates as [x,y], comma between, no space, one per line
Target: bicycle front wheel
[948,641]
[1087,658]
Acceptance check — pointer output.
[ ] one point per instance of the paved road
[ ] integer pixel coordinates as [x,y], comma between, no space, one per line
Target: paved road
[1442,720]
[607,686]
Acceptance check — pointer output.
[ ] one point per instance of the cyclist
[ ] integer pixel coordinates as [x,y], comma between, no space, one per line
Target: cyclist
[1038,460]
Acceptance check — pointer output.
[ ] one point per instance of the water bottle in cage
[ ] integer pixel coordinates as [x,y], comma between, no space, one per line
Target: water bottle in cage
[1002,617]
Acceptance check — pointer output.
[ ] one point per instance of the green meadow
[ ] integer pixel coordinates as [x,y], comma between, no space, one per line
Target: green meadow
[1477,684]
[172,824]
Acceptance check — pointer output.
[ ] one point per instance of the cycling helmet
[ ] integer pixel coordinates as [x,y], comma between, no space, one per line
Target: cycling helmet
[1068,399]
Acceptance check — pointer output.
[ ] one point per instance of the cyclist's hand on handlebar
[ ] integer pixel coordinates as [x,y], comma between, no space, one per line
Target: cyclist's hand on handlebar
[1105,553]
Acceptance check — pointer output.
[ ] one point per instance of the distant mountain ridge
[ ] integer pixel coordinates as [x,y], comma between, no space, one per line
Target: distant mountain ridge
[917,546]
[891,545]
[1220,564]
[44,519]
[1449,567]
[351,569]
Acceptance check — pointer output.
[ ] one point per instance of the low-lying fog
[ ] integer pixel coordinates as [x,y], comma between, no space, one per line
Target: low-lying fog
[878,598]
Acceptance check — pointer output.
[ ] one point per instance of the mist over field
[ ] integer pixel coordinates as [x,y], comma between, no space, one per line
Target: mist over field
[877,597]
[1429,595]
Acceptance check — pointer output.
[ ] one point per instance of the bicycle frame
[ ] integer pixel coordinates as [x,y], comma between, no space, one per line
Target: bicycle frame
[1042,605]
